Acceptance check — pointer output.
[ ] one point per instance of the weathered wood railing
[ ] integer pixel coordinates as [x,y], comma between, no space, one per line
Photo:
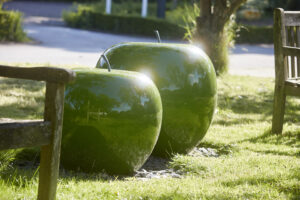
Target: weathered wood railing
[46,133]
[287,62]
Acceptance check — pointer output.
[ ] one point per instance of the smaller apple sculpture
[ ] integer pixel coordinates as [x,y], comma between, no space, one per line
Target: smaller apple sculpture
[186,80]
[111,121]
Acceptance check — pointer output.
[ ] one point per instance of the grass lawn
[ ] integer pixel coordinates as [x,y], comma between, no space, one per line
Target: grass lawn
[252,164]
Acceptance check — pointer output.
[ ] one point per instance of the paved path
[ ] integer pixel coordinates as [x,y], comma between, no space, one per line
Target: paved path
[57,44]
[61,45]
[252,60]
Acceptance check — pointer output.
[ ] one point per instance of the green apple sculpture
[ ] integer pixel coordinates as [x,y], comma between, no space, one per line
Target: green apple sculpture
[186,80]
[111,121]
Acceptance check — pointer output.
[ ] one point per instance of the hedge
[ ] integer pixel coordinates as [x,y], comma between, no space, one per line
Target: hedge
[254,34]
[123,24]
[136,25]
[11,26]
[90,1]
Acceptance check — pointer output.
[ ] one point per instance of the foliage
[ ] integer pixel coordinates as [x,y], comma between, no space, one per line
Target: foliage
[130,8]
[254,34]
[293,5]
[11,26]
[1,3]
[236,33]
[286,4]
[6,158]
[264,8]
[185,16]
[252,164]
[88,19]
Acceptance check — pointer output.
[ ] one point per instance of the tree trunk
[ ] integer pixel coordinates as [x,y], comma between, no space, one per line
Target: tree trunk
[211,30]
[161,8]
[215,43]
[174,4]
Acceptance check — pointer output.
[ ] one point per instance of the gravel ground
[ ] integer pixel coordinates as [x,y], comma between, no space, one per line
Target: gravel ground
[158,167]
[154,168]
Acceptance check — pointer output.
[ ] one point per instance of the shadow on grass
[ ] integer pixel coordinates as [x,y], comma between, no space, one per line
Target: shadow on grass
[18,111]
[21,166]
[260,103]
[248,181]
[20,176]
[23,163]
[6,84]
[211,195]
[170,196]
[152,165]
[287,138]
[23,98]
[232,122]
[280,153]
[292,191]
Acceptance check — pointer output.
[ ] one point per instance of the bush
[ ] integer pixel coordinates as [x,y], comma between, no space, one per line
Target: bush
[131,8]
[88,17]
[254,34]
[285,4]
[11,26]
[136,25]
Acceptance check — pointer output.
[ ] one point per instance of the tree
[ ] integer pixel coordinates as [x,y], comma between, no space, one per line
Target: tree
[161,8]
[293,5]
[174,4]
[211,29]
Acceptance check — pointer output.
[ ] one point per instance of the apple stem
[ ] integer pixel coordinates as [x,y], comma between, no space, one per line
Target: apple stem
[106,60]
[157,36]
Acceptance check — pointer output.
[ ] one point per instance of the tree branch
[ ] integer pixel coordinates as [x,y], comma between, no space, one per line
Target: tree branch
[234,5]
[223,11]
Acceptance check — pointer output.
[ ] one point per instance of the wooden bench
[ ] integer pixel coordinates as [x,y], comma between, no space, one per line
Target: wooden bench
[45,133]
[287,62]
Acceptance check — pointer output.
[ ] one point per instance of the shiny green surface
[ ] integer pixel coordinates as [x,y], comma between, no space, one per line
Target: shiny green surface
[111,121]
[186,81]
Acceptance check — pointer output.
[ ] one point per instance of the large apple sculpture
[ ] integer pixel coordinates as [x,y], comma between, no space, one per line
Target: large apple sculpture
[186,80]
[111,121]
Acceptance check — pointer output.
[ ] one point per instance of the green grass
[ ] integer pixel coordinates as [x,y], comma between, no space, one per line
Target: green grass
[252,164]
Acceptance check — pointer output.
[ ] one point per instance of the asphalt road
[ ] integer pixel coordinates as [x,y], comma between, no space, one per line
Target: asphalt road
[62,45]
[56,44]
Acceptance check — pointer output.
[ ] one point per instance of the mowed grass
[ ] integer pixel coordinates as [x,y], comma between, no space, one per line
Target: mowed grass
[253,164]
